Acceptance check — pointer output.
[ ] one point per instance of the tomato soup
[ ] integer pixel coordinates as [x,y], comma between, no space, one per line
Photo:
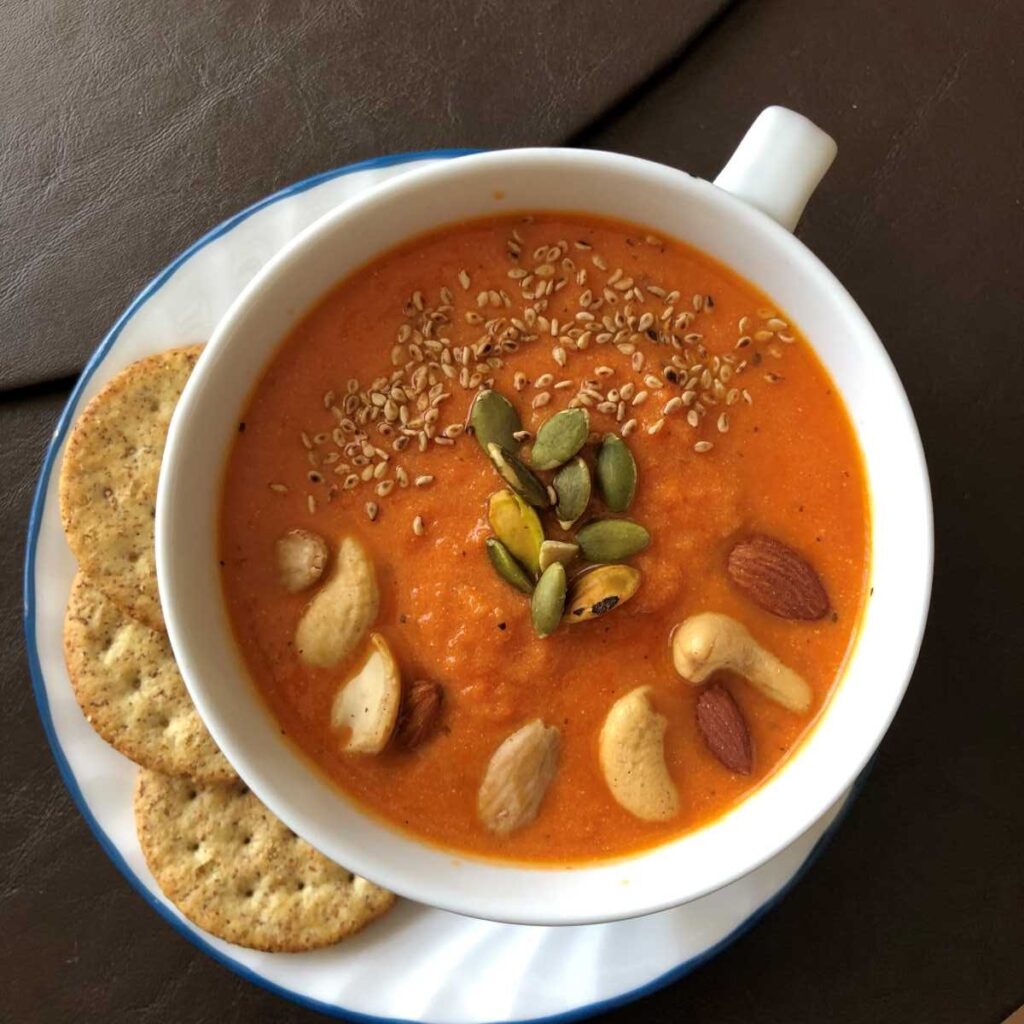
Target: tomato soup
[357,432]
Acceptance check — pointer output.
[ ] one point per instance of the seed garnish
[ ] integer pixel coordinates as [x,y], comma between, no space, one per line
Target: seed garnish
[461,337]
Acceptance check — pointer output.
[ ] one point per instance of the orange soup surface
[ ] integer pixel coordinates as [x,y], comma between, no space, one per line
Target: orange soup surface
[356,429]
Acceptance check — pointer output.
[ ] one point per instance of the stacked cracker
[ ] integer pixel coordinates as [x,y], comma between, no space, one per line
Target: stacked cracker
[216,852]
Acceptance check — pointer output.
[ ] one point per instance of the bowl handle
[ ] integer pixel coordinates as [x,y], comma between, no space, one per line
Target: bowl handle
[779,163]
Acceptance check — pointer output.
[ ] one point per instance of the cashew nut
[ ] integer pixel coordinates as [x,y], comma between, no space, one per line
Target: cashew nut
[301,559]
[707,642]
[335,621]
[632,755]
[367,703]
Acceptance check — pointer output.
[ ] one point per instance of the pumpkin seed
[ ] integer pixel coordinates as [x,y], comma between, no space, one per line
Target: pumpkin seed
[552,551]
[560,438]
[507,567]
[572,489]
[548,601]
[611,540]
[599,590]
[518,477]
[616,473]
[517,527]
[494,420]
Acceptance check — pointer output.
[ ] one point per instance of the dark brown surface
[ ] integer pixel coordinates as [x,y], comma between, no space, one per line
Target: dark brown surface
[914,913]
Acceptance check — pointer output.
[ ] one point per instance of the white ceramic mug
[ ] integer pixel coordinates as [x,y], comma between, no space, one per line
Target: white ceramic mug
[744,220]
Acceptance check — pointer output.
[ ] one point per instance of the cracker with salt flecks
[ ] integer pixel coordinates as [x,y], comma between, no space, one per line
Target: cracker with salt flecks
[109,475]
[237,872]
[129,688]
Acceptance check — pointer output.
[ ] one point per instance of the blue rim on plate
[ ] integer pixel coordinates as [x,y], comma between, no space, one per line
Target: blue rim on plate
[38,686]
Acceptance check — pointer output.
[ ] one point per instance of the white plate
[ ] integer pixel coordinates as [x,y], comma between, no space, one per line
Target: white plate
[419,964]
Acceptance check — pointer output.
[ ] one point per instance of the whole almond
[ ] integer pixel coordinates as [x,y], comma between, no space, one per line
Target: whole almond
[724,729]
[420,712]
[777,578]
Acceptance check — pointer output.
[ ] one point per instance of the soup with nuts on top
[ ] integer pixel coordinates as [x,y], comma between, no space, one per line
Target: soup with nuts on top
[545,538]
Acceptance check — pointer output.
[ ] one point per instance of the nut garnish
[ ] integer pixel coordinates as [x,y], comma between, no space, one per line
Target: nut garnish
[301,559]
[517,777]
[632,755]
[705,643]
[367,703]
[419,714]
[335,621]
[777,578]
[724,729]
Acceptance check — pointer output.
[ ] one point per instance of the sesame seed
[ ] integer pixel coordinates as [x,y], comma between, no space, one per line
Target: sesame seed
[539,401]
[656,426]
[279,488]
[723,423]
[424,480]
[628,427]
[311,503]
[693,418]
[672,405]
[418,526]
[372,510]
[544,380]
[703,446]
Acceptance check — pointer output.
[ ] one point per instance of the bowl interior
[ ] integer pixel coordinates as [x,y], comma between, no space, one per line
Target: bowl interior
[671,203]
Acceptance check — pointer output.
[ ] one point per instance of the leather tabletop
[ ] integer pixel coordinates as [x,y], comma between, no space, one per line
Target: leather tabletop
[129,129]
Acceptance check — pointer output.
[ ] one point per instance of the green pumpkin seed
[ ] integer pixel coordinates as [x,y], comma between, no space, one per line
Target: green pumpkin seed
[599,590]
[517,527]
[552,551]
[616,473]
[494,420]
[572,488]
[507,567]
[548,600]
[518,477]
[611,540]
[560,438]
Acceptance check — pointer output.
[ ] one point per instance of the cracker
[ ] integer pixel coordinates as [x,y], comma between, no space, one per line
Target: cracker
[237,872]
[129,688]
[109,476]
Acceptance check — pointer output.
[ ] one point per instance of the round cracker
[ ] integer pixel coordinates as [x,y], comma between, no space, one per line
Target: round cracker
[130,690]
[109,475]
[237,872]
